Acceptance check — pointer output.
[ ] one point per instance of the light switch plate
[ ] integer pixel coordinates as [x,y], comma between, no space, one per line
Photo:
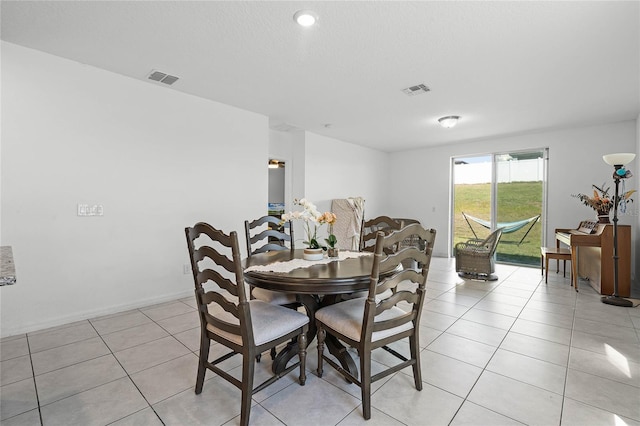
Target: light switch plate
[90,210]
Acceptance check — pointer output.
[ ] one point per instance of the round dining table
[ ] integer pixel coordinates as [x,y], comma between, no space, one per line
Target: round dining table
[315,286]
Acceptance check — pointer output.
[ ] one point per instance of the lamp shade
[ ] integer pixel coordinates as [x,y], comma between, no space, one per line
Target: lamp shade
[619,159]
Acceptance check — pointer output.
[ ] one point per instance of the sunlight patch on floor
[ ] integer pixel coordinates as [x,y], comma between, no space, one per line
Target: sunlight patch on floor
[618,360]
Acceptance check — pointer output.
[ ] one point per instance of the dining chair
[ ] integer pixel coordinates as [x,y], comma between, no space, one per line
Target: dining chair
[368,234]
[269,233]
[384,316]
[264,234]
[370,228]
[246,327]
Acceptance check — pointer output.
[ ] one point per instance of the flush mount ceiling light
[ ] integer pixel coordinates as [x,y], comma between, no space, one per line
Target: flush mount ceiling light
[305,18]
[448,121]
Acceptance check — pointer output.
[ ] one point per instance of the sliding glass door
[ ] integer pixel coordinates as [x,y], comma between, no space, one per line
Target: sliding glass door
[501,190]
[472,177]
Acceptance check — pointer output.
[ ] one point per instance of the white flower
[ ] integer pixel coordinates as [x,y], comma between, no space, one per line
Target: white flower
[310,209]
[292,216]
[312,218]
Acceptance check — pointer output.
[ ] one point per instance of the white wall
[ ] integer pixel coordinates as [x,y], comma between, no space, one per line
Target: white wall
[329,168]
[421,177]
[156,159]
[336,169]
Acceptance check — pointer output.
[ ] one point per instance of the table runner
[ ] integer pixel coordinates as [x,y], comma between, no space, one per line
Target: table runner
[290,265]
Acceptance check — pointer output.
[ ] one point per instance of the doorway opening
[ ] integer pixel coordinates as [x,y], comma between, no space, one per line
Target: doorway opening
[276,203]
[501,190]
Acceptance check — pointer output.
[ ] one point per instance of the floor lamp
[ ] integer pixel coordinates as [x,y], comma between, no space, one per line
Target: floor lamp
[618,161]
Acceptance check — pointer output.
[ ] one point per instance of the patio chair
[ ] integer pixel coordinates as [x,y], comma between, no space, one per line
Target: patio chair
[475,259]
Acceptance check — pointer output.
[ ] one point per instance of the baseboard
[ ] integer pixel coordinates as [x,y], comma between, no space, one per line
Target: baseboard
[89,314]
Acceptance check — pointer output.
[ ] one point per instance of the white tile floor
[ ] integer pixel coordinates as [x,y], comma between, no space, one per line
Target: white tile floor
[514,351]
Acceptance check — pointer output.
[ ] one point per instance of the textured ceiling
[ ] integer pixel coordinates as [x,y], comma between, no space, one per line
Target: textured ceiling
[504,67]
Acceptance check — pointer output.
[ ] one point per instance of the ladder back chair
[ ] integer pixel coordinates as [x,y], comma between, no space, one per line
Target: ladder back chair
[264,234]
[269,233]
[370,228]
[246,327]
[390,312]
[368,233]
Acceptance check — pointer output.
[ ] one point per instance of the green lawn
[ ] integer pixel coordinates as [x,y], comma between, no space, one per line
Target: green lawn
[516,201]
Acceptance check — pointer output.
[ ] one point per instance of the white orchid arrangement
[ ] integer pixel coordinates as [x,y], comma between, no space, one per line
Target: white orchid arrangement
[312,220]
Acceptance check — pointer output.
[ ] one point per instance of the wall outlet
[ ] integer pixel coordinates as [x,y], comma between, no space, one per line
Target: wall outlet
[90,210]
[186,269]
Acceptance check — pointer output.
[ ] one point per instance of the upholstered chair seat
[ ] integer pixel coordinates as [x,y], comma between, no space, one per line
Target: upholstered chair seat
[346,318]
[268,322]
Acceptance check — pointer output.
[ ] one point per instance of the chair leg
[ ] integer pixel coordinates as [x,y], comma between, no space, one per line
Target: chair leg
[272,352]
[414,348]
[248,368]
[322,334]
[302,355]
[205,343]
[365,383]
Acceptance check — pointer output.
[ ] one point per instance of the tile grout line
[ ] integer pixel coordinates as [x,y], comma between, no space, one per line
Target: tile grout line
[465,399]
[130,379]
[566,374]
[35,385]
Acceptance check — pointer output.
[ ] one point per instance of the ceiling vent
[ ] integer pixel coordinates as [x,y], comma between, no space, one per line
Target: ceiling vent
[415,90]
[162,77]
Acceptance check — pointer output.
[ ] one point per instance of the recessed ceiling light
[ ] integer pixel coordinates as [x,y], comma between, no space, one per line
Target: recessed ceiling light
[305,18]
[448,121]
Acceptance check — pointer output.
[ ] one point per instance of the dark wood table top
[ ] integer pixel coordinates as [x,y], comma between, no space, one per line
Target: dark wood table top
[336,277]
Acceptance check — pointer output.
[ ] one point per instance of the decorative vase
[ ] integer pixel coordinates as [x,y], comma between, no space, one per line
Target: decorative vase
[603,217]
[333,252]
[313,254]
